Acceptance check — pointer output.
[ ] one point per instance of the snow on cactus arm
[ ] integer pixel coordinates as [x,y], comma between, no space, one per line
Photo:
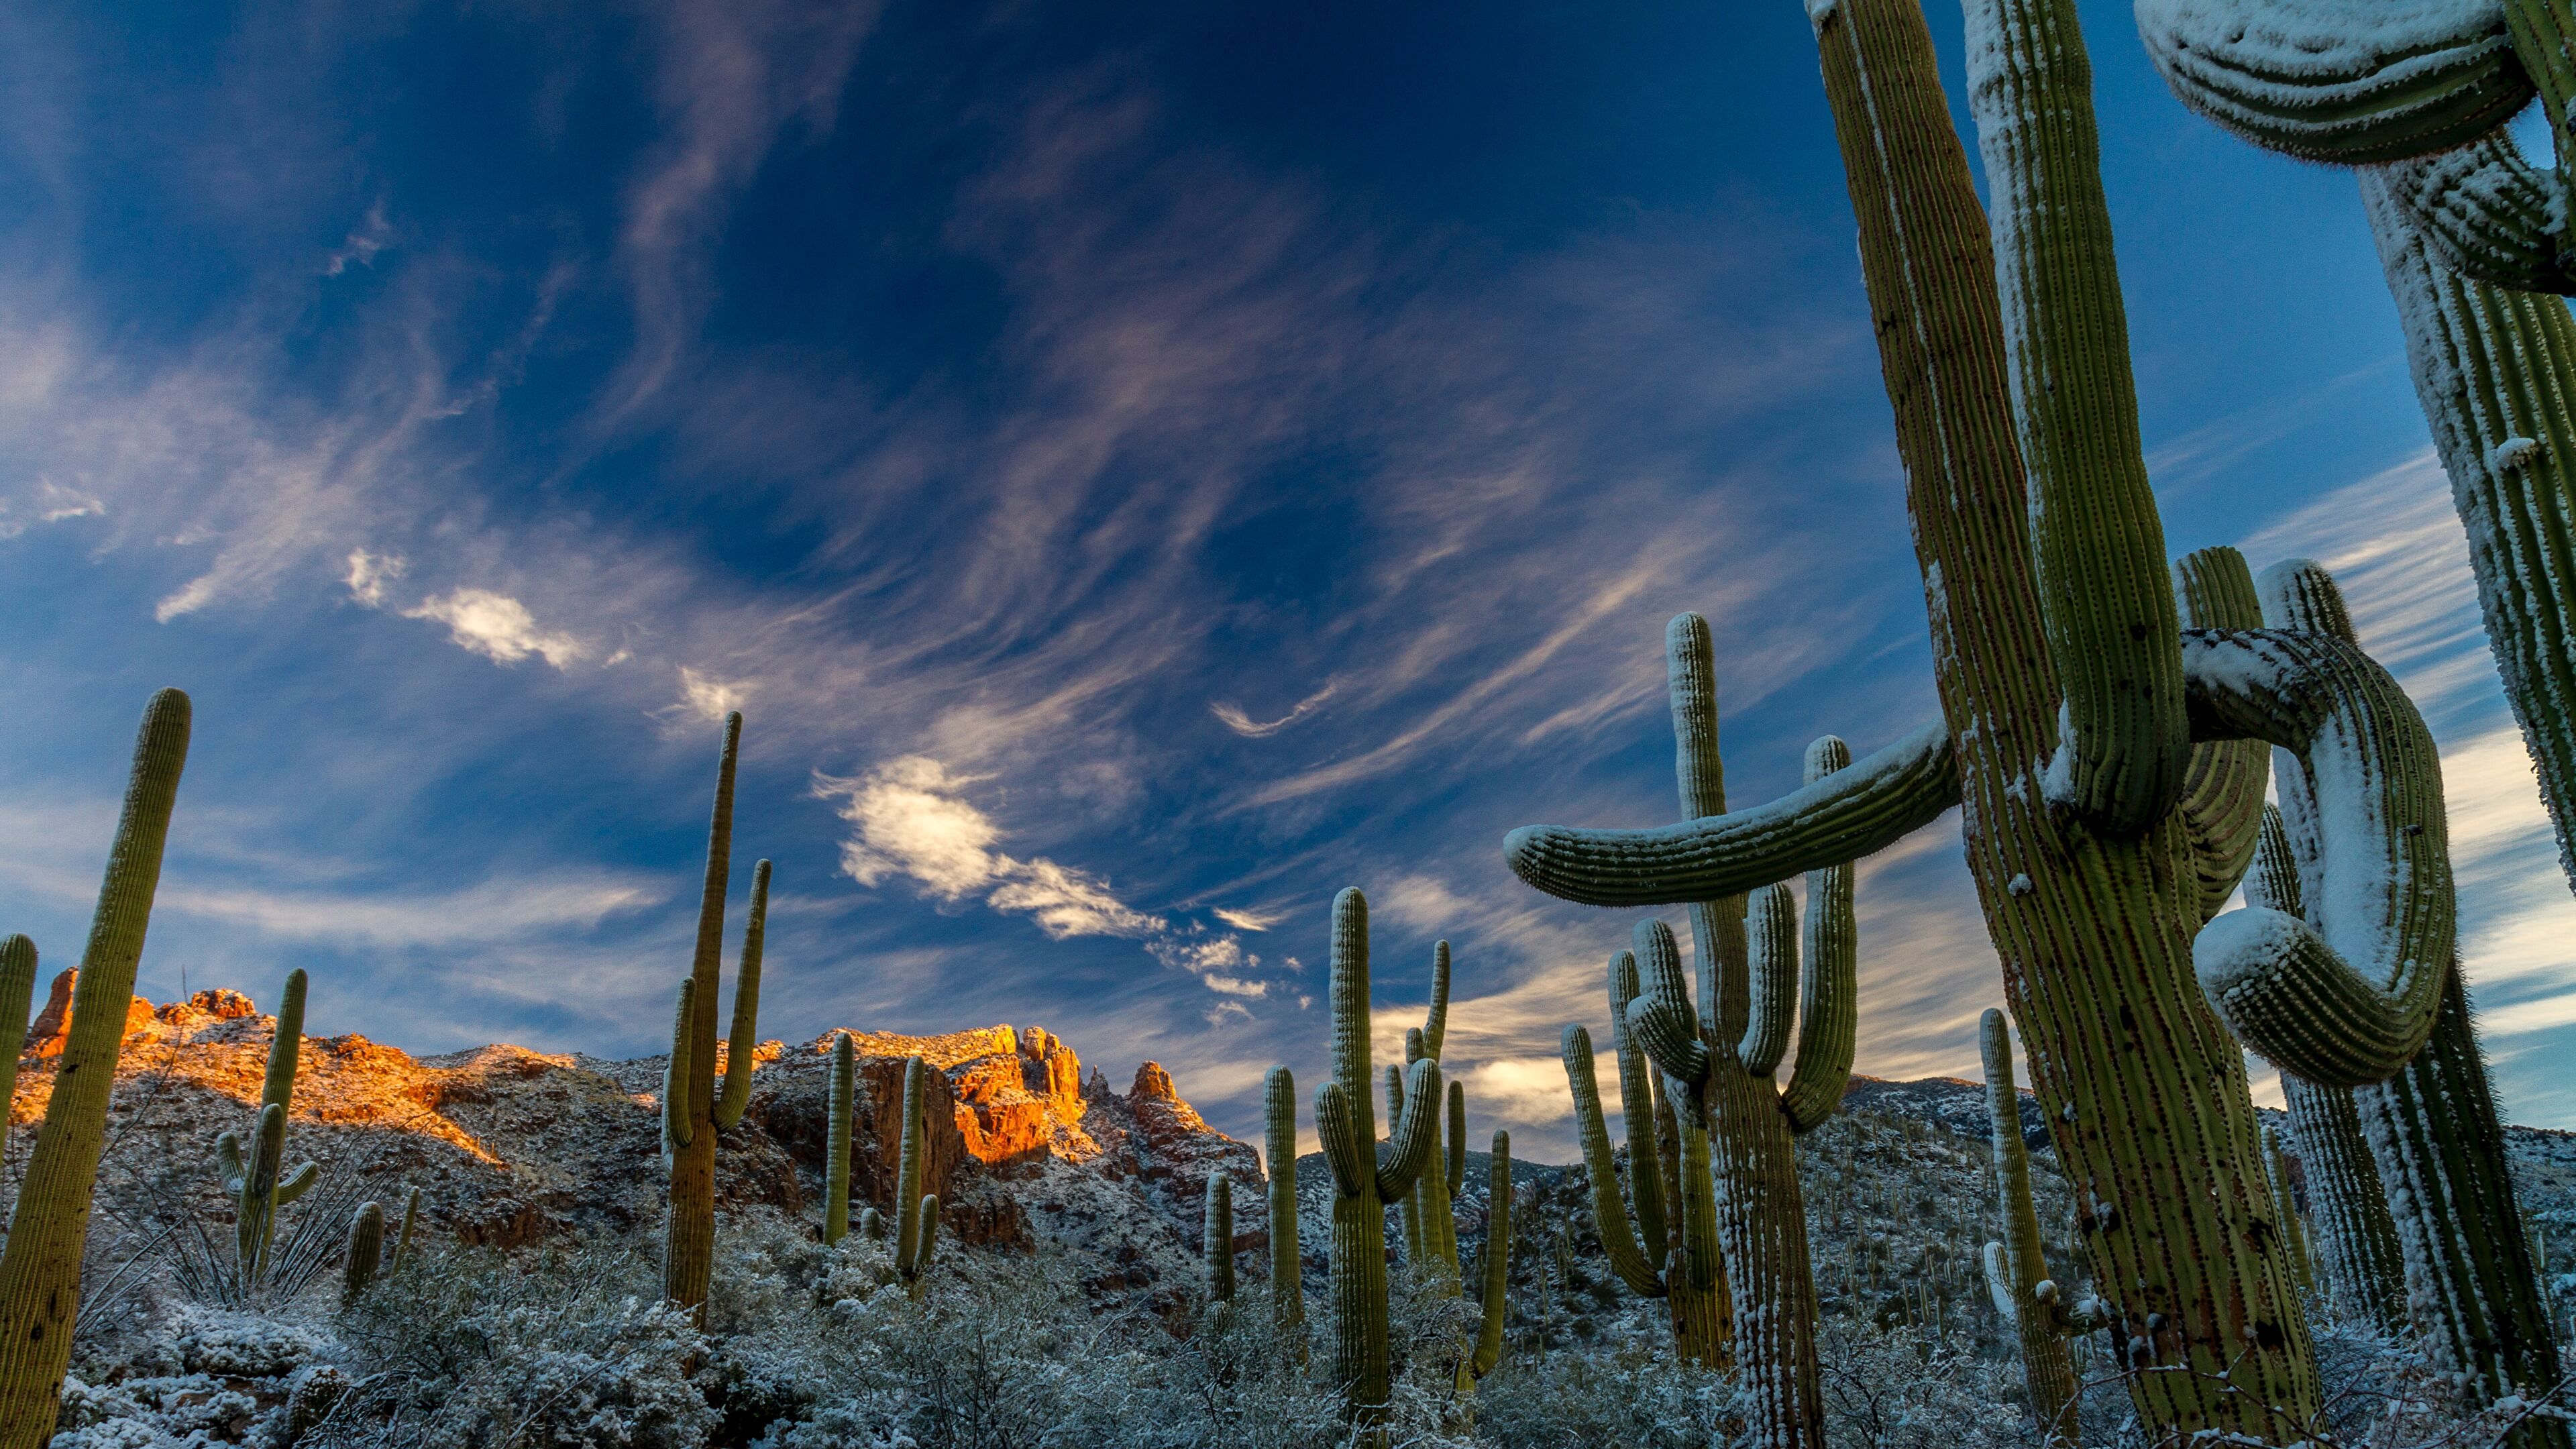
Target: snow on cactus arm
[2222,793]
[2349,81]
[2486,213]
[1843,817]
[2348,1001]
[2106,603]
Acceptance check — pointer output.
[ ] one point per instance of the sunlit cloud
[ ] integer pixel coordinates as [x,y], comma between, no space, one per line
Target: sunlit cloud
[498,627]
[1249,920]
[370,574]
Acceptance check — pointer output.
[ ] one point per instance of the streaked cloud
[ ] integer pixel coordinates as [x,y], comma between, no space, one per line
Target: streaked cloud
[1235,719]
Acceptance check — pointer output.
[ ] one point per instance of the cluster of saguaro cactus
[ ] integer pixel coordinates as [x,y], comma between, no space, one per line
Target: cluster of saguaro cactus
[836,1139]
[1429,1212]
[2072,701]
[255,1183]
[1364,1181]
[1670,1250]
[916,1225]
[2424,1104]
[40,1270]
[2017,1274]
[694,1111]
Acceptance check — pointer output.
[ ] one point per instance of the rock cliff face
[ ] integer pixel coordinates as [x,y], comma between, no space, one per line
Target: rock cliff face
[512,1147]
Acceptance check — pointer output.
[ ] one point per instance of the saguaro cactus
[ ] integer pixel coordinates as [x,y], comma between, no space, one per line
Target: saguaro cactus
[2365,1268]
[2093,920]
[1494,1271]
[1363,1183]
[916,1226]
[1671,1251]
[2016,1268]
[2472,1287]
[836,1141]
[1216,1246]
[17,993]
[365,1250]
[2294,1234]
[1430,1212]
[40,1268]
[1279,1154]
[694,1111]
[257,1185]
[402,1240]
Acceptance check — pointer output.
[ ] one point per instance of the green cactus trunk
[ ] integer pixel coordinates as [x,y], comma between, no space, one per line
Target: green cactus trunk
[17,994]
[1216,1239]
[688,1245]
[2286,1200]
[2017,1268]
[916,1225]
[1495,1269]
[40,1271]
[836,1141]
[366,1246]
[1279,1154]
[2356,1237]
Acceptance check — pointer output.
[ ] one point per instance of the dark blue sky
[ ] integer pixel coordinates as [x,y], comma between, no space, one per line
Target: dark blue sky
[1139,469]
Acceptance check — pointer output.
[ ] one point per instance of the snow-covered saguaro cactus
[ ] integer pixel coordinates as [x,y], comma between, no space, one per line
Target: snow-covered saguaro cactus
[2222,794]
[1363,1182]
[2356,1238]
[694,1110]
[40,1270]
[916,1224]
[257,1184]
[836,1139]
[1279,1154]
[2017,1275]
[2472,1286]
[1670,1251]
[2004,351]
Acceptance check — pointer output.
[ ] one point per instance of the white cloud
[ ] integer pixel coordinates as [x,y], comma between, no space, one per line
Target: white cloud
[370,236]
[704,696]
[1235,719]
[369,573]
[498,627]
[1249,920]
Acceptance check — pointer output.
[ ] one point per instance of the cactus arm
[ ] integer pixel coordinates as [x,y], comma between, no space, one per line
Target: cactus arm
[2485,214]
[1845,816]
[1287,1264]
[925,1237]
[1435,1022]
[1350,1006]
[689,1232]
[1609,1215]
[1353,1165]
[286,1045]
[1999,1283]
[255,1210]
[1637,1102]
[228,1162]
[1216,1236]
[1699,773]
[1773,934]
[1497,1259]
[1661,1020]
[17,994]
[675,1078]
[910,1166]
[1829,991]
[1454,1141]
[2294,1236]
[2106,599]
[365,1247]
[743,1041]
[2222,794]
[836,1139]
[2016,1268]
[295,1184]
[1409,1217]
[2309,82]
[2345,1004]
[402,1240]
[1417,1137]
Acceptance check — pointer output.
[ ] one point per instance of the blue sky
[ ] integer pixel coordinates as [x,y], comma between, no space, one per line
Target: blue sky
[1139,469]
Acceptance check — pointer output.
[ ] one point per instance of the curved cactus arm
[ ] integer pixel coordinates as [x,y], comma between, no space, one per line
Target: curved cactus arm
[675,1077]
[17,994]
[1999,1283]
[1417,1137]
[1609,1214]
[2222,793]
[402,1240]
[1845,816]
[255,1208]
[1435,1022]
[1829,991]
[2345,83]
[2025,1267]
[1637,1102]
[2106,601]
[298,1182]
[1353,1163]
[1216,1245]
[365,1248]
[1661,1020]
[1703,1264]
[2348,1002]
[2484,212]
[228,1163]
[839,1112]
[1773,980]
[2273,884]
[924,1237]
[743,1041]
[286,1045]
[1279,1154]
[1409,1217]
[1454,1141]
[1497,1259]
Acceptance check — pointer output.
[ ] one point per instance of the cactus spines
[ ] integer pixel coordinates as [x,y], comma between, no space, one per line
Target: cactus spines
[743,1038]
[1279,1154]
[1430,1217]
[675,1078]
[1692,1282]
[916,1212]
[1435,1021]
[836,1141]
[17,993]
[2222,791]
[872,1225]
[1829,1018]
[2016,1269]
[1363,1184]
[365,1250]
[1216,1247]
[1496,1260]
[40,1268]
[2294,1236]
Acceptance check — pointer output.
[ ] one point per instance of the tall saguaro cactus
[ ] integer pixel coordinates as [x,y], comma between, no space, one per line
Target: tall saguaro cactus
[1279,1154]
[693,1109]
[2017,1268]
[836,1140]
[17,993]
[40,1270]
[2472,1287]
[1430,1213]
[1671,1250]
[1216,1245]
[1363,1182]
[916,1225]
[2094,912]
[1495,1265]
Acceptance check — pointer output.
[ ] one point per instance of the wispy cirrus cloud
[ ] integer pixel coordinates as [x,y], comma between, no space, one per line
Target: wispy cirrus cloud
[1234,718]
